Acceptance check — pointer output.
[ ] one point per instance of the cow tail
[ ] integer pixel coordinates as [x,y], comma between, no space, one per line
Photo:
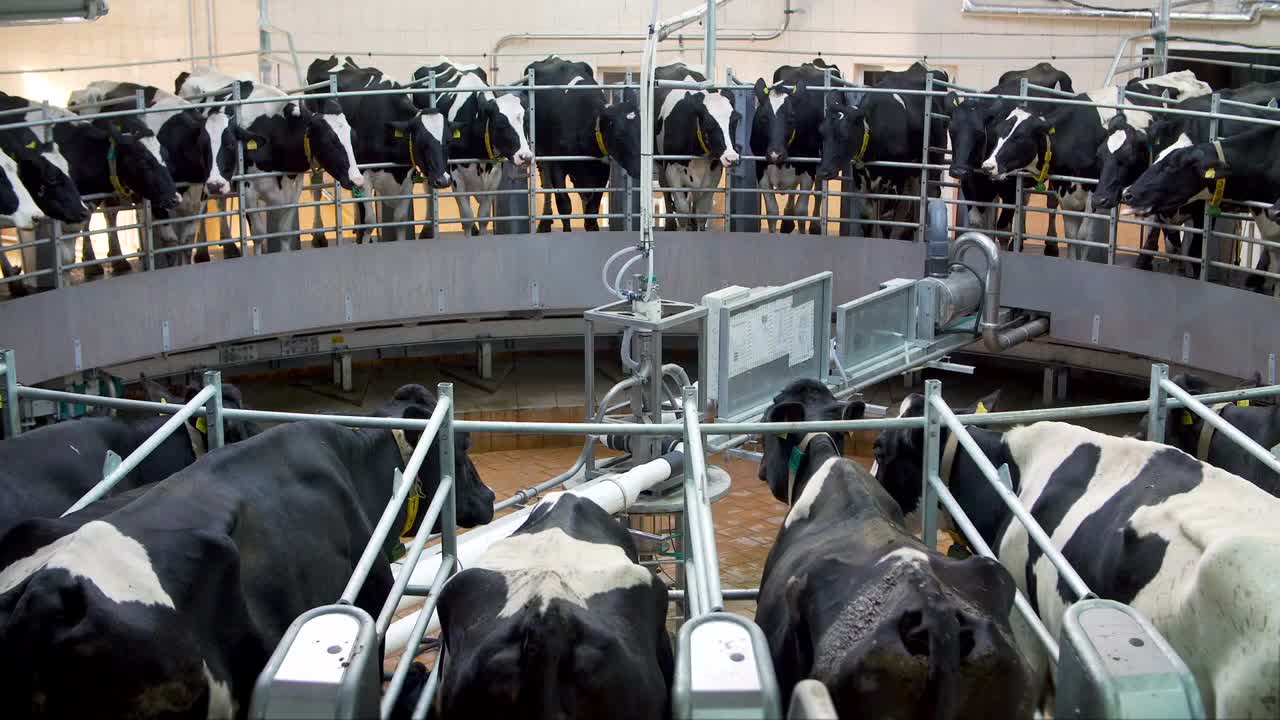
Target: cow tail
[944,659]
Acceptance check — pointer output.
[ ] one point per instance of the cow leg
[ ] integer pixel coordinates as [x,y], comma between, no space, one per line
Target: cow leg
[770,198]
[707,197]
[402,210]
[487,207]
[808,205]
[254,201]
[17,288]
[590,175]
[1151,242]
[564,203]
[552,177]
[120,266]
[1051,201]
[318,239]
[466,179]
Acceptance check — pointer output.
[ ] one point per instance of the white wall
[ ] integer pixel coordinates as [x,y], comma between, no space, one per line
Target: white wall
[133,30]
[852,33]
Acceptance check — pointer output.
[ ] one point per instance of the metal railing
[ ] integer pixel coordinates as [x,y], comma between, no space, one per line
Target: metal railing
[703,595]
[736,185]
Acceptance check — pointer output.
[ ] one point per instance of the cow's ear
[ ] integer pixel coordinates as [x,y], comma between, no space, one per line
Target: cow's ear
[854,410]
[253,142]
[952,101]
[398,129]
[785,412]
[1119,122]
[761,91]
[984,405]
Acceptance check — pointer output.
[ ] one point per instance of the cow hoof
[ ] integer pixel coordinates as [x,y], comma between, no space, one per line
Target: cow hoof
[319,241]
[1144,263]
[544,226]
[590,225]
[475,232]
[93,272]
[18,289]
[788,227]
[1051,249]
[121,267]
[815,228]
[202,256]
[671,226]
[427,233]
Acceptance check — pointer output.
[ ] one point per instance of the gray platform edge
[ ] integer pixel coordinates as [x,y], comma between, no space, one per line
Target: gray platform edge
[119,320]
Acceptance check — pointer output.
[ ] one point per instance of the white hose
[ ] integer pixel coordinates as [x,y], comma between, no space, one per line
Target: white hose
[617,281]
[604,272]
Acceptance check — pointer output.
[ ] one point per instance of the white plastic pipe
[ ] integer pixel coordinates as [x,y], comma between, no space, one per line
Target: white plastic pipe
[613,493]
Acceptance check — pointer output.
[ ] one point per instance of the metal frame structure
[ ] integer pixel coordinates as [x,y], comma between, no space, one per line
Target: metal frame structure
[704,598]
[520,201]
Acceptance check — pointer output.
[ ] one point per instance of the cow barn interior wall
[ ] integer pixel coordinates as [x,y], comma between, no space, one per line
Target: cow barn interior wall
[887,35]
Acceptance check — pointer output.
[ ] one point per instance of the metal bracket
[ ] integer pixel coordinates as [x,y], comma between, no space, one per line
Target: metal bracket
[724,669]
[166,343]
[1186,347]
[257,320]
[440,300]
[535,296]
[110,463]
[348,311]
[1096,336]
[79,358]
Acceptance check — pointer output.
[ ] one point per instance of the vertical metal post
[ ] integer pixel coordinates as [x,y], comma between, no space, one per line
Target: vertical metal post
[242,190]
[444,440]
[56,239]
[1155,415]
[589,383]
[1113,235]
[1019,201]
[435,199]
[932,452]
[9,395]
[629,213]
[1206,237]
[709,45]
[148,237]
[825,198]
[213,410]
[1161,33]
[337,186]
[533,164]
[264,41]
[924,157]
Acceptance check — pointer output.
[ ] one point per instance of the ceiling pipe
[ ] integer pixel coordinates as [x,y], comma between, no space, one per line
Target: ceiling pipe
[506,40]
[1250,12]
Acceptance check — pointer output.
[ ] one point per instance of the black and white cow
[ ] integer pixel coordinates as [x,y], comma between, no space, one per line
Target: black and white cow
[559,620]
[279,135]
[42,167]
[185,149]
[578,122]
[1240,168]
[883,127]
[787,124]
[698,123]
[389,129]
[17,209]
[848,597]
[1189,546]
[1049,138]
[1186,431]
[166,602]
[1129,151]
[45,471]
[484,126]
[972,133]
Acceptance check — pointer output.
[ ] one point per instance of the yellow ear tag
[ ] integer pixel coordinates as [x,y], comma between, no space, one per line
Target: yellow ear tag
[1187,418]
[164,401]
[955,102]
[982,409]
[201,425]
[399,133]
[1210,174]
[33,145]
[457,134]
[251,145]
[1053,131]
[766,91]
[1242,403]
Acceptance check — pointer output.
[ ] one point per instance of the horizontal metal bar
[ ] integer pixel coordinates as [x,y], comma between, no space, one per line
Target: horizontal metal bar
[1259,453]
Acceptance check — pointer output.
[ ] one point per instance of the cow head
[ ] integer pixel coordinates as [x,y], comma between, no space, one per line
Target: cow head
[232,430]
[1273,212]
[187,146]
[503,121]
[899,463]
[1123,157]
[1021,139]
[776,112]
[140,161]
[1181,427]
[426,137]
[1178,176]
[802,400]
[474,498]
[843,130]
[970,126]
[47,176]
[620,128]
[218,150]
[15,202]
[330,138]
[717,125]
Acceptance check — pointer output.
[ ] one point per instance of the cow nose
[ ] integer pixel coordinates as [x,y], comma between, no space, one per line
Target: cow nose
[1127,196]
[357,178]
[523,157]
[959,173]
[443,180]
[729,158]
[989,167]
[217,188]
[775,156]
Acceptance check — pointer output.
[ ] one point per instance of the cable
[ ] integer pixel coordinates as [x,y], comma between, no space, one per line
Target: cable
[982,295]
[1212,41]
[1104,8]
